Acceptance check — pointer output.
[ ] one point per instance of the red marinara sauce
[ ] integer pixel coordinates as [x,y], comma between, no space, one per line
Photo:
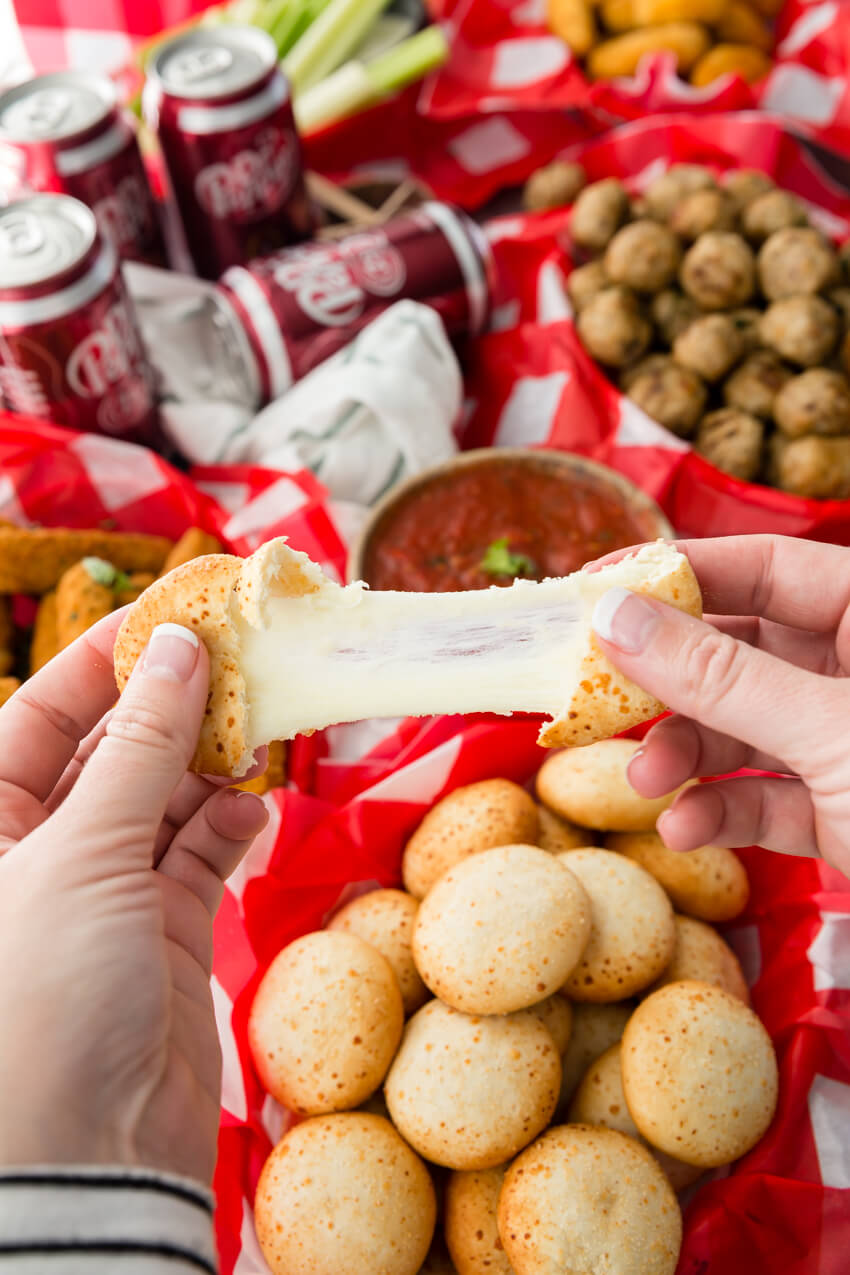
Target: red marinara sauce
[434,539]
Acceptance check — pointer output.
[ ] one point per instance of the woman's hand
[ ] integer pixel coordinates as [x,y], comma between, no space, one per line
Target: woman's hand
[113,859]
[760,684]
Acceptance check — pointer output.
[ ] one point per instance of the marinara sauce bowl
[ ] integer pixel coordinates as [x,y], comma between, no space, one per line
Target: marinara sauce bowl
[535,513]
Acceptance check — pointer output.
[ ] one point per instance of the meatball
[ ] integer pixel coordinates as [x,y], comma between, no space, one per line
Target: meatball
[598,213]
[746,184]
[670,188]
[815,402]
[672,395]
[703,210]
[733,441]
[644,256]
[613,329]
[802,330]
[796,260]
[710,346]
[771,212]
[671,313]
[651,363]
[818,468]
[753,386]
[719,271]
[747,321]
[553,186]
[840,298]
[584,283]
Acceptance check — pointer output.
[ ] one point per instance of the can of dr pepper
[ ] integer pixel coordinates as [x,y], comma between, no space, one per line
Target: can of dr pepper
[221,109]
[302,304]
[70,351]
[65,133]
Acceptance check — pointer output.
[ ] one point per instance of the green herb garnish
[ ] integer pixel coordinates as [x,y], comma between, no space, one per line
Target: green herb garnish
[499,561]
[103,572]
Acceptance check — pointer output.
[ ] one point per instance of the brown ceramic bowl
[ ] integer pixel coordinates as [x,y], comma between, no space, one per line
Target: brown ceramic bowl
[648,520]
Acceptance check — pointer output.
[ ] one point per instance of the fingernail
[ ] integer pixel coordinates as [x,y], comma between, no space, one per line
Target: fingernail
[625,619]
[171,653]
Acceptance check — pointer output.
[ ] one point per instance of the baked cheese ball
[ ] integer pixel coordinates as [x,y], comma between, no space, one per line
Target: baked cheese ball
[556,834]
[385,918]
[594,1029]
[556,1015]
[710,883]
[471,1222]
[700,953]
[589,786]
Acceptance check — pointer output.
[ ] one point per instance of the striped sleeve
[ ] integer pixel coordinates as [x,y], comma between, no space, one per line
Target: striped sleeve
[73,1220]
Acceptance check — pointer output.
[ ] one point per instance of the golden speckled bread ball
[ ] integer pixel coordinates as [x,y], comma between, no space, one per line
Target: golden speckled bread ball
[589,786]
[471,1225]
[501,930]
[556,1014]
[344,1193]
[699,1073]
[470,1092]
[594,1029]
[700,953]
[493,812]
[710,883]
[599,1099]
[591,1201]
[556,834]
[385,918]
[632,934]
[325,1023]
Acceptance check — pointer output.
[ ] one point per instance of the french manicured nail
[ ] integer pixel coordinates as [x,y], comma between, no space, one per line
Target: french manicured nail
[625,620]
[171,653]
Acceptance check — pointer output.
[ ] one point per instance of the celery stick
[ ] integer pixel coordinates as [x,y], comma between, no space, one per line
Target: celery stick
[330,40]
[293,22]
[409,60]
[388,31]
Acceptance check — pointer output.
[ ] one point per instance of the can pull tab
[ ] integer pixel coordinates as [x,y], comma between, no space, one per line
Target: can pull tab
[41,113]
[202,64]
[20,236]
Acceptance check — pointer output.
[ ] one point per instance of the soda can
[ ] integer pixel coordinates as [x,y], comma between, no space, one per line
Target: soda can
[70,351]
[302,304]
[65,133]
[221,108]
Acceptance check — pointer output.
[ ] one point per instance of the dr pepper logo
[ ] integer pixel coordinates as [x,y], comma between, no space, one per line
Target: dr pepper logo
[254,181]
[105,357]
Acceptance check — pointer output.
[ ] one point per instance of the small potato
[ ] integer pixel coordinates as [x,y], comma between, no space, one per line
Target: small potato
[385,918]
[796,260]
[589,786]
[754,385]
[746,184]
[556,1015]
[687,41]
[598,213]
[818,468]
[668,190]
[557,834]
[741,24]
[733,441]
[471,1226]
[554,186]
[585,282]
[674,396]
[709,883]
[612,328]
[803,330]
[644,256]
[815,402]
[325,1023]
[594,1029]
[701,211]
[719,271]
[701,953]
[747,322]
[574,22]
[671,313]
[710,346]
[493,812]
[750,63]
[772,211]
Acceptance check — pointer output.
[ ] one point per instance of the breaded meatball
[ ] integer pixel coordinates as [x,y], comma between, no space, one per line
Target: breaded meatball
[672,395]
[818,468]
[710,346]
[670,188]
[651,363]
[598,213]
[701,211]
[840,298]
[553,186]
[719,271]
[802,330]
[753,386]
[747,321]
[671,313]
[815,402]
[584,283]
[746,184]
[733,441]
[613,329]
[772,211]
[796,260]
[644,256]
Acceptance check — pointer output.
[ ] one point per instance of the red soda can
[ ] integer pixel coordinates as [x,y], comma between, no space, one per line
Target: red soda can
[302,304]
[69,347]
[221,109]
[65,133]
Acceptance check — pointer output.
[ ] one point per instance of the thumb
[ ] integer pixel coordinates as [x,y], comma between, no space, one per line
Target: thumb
[717,680]
[120,799]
